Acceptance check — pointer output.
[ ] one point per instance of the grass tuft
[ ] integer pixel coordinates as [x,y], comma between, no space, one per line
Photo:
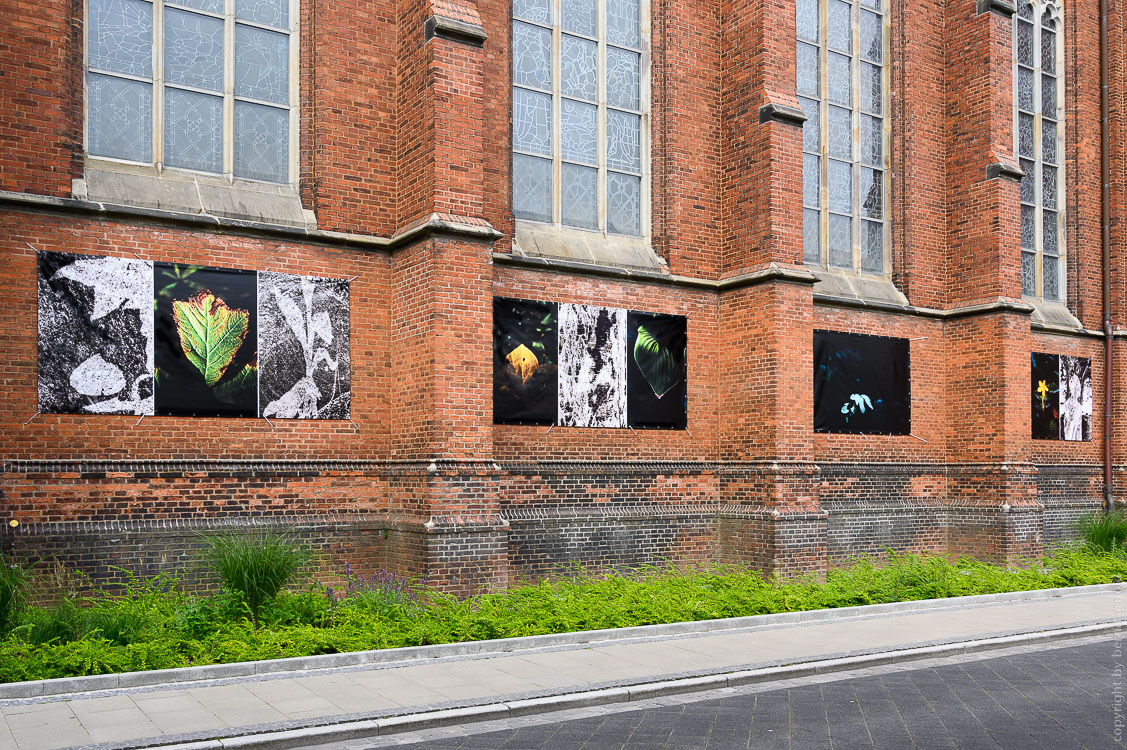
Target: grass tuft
[256,565]
[13,586]
[1105,531]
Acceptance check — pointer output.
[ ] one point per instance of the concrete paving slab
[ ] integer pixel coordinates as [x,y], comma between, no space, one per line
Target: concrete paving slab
[184,721]
[236,704]
[30,708]
[359,700]
[110,703]
[7,741]
[66,732]
[58,714]
[165,701]
[115,726]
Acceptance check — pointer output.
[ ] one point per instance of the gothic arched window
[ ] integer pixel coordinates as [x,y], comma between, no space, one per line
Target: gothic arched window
[1039,128]
[842,85]
[580,114]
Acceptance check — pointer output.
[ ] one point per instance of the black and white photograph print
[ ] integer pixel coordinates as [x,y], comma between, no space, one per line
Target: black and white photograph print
[655,370]
[525,357]
[206,339]
[303,347]
[592,390]
[95,334]
[1075,398]
[861,384]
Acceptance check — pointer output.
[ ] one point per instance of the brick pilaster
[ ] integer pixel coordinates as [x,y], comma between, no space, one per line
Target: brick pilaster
[441,362]
[762,137]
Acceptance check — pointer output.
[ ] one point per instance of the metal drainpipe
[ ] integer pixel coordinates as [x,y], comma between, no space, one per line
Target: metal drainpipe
[1105,242]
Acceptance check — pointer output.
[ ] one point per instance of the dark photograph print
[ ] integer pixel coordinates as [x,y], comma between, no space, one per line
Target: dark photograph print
[304,370]
[95,334]
[206,341]
[861,384]
[655,371]
[525,361]
[1045,395]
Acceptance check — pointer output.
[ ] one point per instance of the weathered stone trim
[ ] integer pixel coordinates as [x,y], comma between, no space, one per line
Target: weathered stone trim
[1004,170]
[453,30]
[434,225]
[774,112]
[1003,8]
[771,272]
[540,263]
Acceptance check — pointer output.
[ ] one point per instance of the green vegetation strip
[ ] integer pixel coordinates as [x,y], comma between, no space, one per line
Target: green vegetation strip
[155,625]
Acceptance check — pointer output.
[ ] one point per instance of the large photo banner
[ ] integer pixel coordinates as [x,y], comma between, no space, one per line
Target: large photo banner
[304,368]
[206,341]
[587,366]
[123,336]
[592,366]
[861,384]
[656,348]
[1061,397]
[525,362]
[95,334]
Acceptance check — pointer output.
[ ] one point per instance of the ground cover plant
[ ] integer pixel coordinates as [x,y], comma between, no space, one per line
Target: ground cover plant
[154,624]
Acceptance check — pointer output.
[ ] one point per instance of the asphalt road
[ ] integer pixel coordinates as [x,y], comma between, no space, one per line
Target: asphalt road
[1059,699]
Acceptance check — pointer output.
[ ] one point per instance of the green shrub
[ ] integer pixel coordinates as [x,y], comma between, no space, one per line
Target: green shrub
[13,586]
[128,617]
[254,564]
[1103,530]
[152,625]
[60,622]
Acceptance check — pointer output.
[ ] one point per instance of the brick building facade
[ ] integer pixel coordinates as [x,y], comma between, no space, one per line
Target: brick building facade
[401,180]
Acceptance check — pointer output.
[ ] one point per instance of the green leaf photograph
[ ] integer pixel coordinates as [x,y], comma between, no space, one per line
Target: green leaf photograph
[206,341]
[656,395]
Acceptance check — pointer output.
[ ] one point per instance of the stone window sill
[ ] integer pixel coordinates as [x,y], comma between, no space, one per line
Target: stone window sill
[192,193]
[1051,315]
[535,240]
[843,284]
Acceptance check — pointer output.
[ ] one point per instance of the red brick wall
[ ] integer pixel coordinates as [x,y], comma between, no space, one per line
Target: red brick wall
[395,127]
[349,127]
[41,66]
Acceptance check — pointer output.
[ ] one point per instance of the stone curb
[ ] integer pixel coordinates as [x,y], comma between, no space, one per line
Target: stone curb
[283,740]
[67,685]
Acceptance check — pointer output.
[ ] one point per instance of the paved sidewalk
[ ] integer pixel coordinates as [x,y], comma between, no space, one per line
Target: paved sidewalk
[390,697]
[1039,696]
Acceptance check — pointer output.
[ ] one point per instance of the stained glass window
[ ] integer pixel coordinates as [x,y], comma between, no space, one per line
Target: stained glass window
[840,68]
[156,91]
[1039,130]
[579,114]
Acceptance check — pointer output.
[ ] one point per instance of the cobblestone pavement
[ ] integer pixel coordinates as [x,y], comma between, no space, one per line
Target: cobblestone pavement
[1070,696]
